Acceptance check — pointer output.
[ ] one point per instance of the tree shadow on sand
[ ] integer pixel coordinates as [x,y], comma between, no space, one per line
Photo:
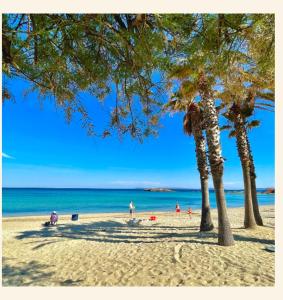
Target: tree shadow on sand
[24,274]
[32,273]
[117,232]
[242,238]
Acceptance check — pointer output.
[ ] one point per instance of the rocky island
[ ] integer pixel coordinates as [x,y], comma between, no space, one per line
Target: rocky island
[158,190]
[269,191]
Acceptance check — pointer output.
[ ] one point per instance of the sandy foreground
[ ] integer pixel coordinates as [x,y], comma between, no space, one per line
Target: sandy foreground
[102,250]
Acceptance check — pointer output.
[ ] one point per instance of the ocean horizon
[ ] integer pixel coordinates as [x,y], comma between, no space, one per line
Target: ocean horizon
[41,201]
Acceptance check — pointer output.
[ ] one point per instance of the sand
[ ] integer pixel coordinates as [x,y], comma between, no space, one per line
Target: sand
[101,250]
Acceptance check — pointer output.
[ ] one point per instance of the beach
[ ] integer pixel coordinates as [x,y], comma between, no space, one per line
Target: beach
[102,250]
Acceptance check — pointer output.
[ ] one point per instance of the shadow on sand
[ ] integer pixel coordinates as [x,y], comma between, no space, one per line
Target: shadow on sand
[116,232]
[32,273]
[24,274]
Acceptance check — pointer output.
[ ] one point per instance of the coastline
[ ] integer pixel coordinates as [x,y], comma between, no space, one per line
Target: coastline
[102,250]
[139,213]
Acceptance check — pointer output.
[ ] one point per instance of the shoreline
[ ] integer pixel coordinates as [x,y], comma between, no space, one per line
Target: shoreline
[89,214]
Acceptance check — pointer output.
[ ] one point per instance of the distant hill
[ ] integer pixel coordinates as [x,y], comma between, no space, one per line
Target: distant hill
[269,191]
[158,190]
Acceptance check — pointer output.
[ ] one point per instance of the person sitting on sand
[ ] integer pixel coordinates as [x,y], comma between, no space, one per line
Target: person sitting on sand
[53,218]
[178,209]
[131,207]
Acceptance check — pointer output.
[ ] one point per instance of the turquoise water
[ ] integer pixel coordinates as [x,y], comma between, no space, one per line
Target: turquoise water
[27,201]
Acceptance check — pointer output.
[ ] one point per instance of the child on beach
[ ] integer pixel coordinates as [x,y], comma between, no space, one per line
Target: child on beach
[178,210]
[131,208]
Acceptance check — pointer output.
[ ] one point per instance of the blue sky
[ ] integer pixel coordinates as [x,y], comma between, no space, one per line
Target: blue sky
[41,150]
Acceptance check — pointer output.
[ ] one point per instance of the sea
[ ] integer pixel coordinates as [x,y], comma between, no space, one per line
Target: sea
[42,201]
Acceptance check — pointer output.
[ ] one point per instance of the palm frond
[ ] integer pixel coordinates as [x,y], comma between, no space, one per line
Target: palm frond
[189,89]
[265,104]
[169,105]
[247,111]
[232,134]
[225,127]
[265,95]
[263,108]
[220,106]
[227,115]
[253,124]
[174,105]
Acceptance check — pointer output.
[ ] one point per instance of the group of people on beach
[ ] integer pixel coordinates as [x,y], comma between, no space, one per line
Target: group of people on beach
[177,209]
[54,216]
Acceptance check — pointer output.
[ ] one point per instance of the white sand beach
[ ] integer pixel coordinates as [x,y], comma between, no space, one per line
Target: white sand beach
[102,250]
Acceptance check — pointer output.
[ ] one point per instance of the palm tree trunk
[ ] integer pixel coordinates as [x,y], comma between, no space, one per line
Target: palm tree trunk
[206,221]
[225,237]
[257,215]
[249,221]
[243,152]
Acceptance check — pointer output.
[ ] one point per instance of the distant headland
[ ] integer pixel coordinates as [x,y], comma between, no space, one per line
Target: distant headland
[269,191]
[158,190]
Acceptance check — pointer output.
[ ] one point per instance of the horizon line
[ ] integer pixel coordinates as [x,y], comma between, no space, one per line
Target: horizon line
[126,188]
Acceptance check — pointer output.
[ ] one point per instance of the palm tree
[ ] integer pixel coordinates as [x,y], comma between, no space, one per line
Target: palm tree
[193,125]
[234,114]
[194,81]
[257,215]
[243,88]
[248,109]
[248,126]
[225,236]
[210,50]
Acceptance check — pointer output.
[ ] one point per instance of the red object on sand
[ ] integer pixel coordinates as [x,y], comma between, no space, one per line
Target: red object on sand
[178,210]
[189,211]
[152,218]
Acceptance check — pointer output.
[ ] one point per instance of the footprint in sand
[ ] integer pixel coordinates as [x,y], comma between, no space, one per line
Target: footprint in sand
[177,253]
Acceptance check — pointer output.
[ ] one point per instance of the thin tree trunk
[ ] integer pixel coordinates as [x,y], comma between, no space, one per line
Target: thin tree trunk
[257,215]
[249,221]
[225,237]
[243,152]
[206,221]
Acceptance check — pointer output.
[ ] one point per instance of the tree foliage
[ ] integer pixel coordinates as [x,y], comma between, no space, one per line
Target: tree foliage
[63,55]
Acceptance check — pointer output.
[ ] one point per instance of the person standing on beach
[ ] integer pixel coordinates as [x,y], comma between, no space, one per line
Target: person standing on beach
[178,210]
[131,207]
